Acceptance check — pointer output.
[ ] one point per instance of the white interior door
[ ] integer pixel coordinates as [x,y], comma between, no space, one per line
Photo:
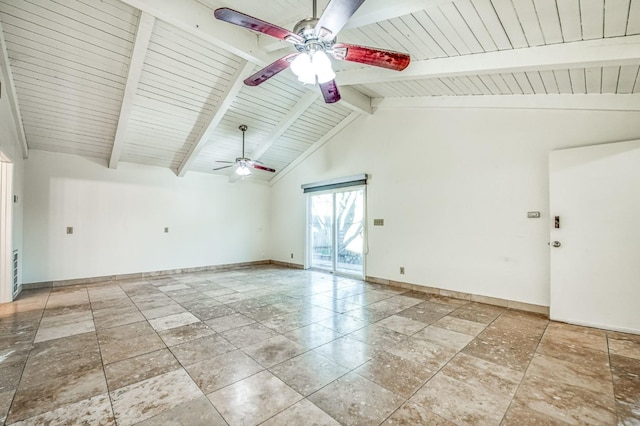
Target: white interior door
[595,271]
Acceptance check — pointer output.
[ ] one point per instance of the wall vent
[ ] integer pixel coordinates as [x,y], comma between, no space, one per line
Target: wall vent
[14,274]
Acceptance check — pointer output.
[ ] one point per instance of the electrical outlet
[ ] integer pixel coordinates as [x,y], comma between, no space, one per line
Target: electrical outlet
[69,230]
[166,230]
[292,255]
[402,270]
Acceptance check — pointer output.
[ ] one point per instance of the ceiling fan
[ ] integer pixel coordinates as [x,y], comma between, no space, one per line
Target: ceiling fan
[315,39]
[243,164]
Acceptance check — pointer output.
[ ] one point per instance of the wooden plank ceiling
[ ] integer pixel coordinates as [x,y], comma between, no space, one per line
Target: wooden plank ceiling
[160,82]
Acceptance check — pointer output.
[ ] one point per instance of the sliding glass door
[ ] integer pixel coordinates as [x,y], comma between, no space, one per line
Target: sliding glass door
[336,231]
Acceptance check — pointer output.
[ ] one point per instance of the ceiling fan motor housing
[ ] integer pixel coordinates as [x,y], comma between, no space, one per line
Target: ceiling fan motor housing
[307,30]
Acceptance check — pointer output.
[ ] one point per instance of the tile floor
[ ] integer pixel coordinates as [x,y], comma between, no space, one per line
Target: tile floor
[279,346]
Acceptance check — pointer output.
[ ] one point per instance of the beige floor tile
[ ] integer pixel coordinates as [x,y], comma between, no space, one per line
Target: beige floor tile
[148,398]
[564,374]
[353,400]
[460,325]
[68,318]
[197,412]
[460,402]
[430,355]
[594,377]
[343,324]
[274,351]
[313,335]
[127,341]
[45,396]
[513,353]
[123,373]
[626,385]
[411,414]
[519,414]
[229,322]
[56,358]
[477,314]
[185,333]
[308,372]
[579,337]
[347,352]
[248,335]
[402,325]
[397,374]
[6,397]
[377,336]
[570,404]
[443,337]
[627,348]
[302,413]
[114,317]
[254,399]
[93,411]
[425,312]
[173,321]
[65,330]
[163,311]
[222,370]
[201,349]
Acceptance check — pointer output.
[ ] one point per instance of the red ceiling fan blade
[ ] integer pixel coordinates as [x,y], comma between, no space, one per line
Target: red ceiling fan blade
[330,92]
[238,18]
[334,17]
[270,70]
[259,167]
[371,56]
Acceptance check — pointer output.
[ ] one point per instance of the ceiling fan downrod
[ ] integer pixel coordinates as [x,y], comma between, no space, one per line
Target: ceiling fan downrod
[243,128]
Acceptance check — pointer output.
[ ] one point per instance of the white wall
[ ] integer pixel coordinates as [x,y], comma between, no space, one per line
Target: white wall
[119,217]
[454,187]
[10,148]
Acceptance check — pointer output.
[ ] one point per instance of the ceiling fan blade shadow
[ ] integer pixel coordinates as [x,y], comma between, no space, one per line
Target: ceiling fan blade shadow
[270,70]
[223,167]
[330,91]
[334,18]
[238,18]
[266,169]
[371,56]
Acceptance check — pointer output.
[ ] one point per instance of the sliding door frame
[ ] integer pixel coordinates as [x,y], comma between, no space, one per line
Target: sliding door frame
[334,231]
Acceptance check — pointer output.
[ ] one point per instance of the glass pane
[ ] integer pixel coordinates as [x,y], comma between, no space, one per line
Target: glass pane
[350,231]
[321,231]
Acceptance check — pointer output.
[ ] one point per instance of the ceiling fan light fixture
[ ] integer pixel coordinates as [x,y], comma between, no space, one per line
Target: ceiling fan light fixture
[322,67]
[302,67]
[243,170]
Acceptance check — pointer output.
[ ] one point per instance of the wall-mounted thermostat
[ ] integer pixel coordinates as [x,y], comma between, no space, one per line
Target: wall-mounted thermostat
[533,215]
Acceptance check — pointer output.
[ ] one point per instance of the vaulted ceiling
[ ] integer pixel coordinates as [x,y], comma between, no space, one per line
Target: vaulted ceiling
[159,82]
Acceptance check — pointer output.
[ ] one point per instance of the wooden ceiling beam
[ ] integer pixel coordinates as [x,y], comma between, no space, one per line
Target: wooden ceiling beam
[10,90]
[587,102]
[316,146]
[244,70]
[198,20]
[580,54]
[294,113]
[138,54]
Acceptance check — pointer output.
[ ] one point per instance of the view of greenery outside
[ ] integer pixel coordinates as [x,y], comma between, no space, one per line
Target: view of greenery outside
[349,211]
